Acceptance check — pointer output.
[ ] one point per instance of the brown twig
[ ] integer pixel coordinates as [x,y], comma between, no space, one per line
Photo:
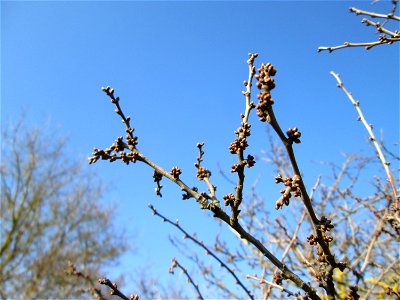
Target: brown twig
[240,143]
[204,174]
[295,184]
[294,236]
[115,291]
[94,290]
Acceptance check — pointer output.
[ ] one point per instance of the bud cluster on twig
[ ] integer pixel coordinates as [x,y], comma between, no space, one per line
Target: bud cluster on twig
[292,186]
[265,83]
[157,179]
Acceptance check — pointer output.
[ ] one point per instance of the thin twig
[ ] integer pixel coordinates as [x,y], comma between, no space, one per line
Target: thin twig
[373,139]
[94,290]
[263,281]
[176,264]
[114,289]
[380,278]
[240,143]
[367,45]
[377,233]
[202,245]
[266,113]
[294,237]
[374,14]
[390,37]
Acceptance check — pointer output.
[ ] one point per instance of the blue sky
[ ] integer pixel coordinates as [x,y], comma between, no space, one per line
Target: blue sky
[178,68]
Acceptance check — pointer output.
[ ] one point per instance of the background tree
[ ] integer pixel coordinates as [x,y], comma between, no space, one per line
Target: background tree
[51,213]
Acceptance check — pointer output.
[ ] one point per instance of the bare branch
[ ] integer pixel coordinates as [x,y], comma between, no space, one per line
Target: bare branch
[202,245]
[388,36]
[374,14]
[115,291]
[176,264]
[373,139]
[263,281]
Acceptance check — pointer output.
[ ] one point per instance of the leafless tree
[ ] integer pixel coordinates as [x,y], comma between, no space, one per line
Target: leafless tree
[50,214]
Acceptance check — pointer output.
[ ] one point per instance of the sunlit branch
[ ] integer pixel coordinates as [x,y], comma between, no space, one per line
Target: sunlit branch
[373,139]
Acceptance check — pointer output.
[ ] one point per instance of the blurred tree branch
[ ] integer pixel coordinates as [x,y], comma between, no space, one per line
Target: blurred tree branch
[51,214]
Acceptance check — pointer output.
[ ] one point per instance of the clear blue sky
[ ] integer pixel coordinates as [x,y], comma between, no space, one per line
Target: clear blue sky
[178,68]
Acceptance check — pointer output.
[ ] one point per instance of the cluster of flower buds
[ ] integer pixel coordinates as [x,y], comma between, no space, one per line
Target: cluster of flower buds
[326,224]
[243,130]
[119,144]
[278,278]
[202,172]
[238,144]
[312,240]
[157,178]
[292,186]
[229,199]
[265,83]
[250,161]
[236,167]
[294,135]
[328,238]
[126,157]
[131,140]
[108,155]
[175,172]
[97,154]
[110,93]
